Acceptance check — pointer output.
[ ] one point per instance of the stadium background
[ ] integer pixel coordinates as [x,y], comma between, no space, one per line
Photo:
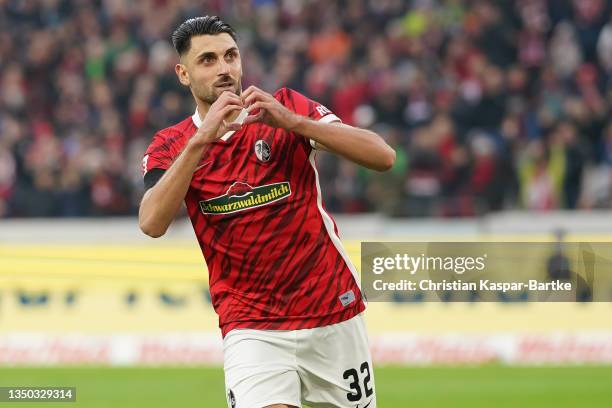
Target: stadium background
[500,115]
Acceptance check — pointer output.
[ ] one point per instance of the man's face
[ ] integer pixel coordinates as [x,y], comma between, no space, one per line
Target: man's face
[211,66]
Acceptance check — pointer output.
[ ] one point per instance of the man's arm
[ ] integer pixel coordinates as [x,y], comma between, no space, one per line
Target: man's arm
[361,146]
[160,203]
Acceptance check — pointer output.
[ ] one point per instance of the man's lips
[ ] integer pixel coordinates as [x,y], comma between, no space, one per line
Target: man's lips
[225,85]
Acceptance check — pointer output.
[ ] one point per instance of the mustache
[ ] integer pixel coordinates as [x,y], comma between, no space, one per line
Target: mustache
[225,80]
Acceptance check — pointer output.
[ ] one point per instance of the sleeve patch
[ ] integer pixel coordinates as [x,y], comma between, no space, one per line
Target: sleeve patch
[322,110]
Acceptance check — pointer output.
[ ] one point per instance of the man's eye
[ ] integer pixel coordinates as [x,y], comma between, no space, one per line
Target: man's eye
[208,60]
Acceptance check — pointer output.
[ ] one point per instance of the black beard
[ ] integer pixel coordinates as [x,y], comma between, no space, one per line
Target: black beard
[212,97]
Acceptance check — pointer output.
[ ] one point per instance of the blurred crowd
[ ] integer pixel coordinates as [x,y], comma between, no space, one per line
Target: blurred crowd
[490,105]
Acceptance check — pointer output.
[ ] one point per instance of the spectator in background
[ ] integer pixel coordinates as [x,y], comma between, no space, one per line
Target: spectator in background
[566,138]
[540,176]
[486,174]
[385,193]
[598,193]
[606,148]
[604,48]
[565,52]
[7,178]
[423,184]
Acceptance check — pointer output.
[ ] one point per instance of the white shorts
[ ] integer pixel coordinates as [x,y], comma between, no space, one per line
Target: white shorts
[326,366]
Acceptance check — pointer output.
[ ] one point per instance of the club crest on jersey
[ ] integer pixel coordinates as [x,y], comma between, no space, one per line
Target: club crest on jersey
[242,196]
[262,150]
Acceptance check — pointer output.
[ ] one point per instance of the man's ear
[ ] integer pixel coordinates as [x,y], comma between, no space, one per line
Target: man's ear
[182,74]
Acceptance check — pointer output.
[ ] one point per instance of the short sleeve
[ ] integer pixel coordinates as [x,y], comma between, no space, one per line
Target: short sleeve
[305,106]
[158,155]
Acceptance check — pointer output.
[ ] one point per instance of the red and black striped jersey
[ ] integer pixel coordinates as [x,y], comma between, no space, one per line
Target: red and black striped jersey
[274,257]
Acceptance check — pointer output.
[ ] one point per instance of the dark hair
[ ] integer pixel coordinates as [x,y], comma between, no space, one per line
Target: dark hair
[181,37]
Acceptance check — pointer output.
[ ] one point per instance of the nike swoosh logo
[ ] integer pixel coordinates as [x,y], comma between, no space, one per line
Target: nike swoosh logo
[202,165]
[365,406]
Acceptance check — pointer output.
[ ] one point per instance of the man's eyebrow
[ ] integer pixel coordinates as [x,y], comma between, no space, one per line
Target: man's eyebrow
[212,54]
[206,54]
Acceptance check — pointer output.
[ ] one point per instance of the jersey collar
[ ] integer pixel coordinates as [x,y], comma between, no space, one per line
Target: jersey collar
[197,121]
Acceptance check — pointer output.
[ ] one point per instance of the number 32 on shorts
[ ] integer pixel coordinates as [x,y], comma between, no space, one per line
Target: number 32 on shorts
[357,380]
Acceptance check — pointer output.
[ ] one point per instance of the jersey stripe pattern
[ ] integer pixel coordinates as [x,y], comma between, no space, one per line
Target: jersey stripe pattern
[274,258]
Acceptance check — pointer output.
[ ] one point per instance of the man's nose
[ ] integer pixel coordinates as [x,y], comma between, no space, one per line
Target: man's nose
[224,68]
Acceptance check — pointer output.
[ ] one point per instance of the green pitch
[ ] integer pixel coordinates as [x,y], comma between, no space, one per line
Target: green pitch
[473,387]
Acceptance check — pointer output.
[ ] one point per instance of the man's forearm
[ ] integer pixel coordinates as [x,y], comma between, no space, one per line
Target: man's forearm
[161,202]
[361,146]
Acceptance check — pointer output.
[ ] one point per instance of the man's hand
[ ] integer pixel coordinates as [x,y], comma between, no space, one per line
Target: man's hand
[264,108]
[161,203]
[215,122]
[361,146]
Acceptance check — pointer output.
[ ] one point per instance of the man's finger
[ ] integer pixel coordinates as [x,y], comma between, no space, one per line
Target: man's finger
[255,91]
[231,106]
[233,126]
[250,90]
[228,109]
[258,105]
[227,97]
[253,97]
[245,94]
[254,118]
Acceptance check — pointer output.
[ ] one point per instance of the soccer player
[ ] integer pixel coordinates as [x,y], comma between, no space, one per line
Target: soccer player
[287,295]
